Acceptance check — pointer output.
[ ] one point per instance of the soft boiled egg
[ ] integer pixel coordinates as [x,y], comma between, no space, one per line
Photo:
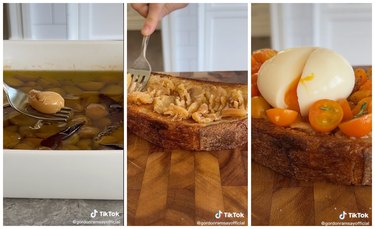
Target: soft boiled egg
[295,78]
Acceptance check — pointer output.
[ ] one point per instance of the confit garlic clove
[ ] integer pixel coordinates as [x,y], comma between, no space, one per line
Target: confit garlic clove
[129,81]
[140,97]
[96,111]
[177,112]
[162,103]
[199,115]
[182,99]
[47,102]
[233,112]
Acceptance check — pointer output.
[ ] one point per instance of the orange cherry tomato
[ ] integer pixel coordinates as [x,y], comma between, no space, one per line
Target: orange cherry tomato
[254,86]
[357,127]
[262,55]
[325,115]
[363,107]
[359,95]
[360,76]
[255,65]
[258,107]
[281,117]
[369,73]
[254,90]
[348,114]
[366,86]
[254,78]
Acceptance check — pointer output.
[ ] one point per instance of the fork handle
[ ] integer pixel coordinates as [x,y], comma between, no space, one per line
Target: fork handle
[144,45]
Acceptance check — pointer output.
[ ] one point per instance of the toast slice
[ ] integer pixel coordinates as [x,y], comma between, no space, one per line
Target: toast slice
[306,156]
[222,126]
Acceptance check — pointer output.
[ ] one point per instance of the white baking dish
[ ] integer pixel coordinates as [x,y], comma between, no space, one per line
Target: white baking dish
[96,174]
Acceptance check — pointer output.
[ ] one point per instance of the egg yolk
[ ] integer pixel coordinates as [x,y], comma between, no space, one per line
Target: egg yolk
[291,98]
[307,78]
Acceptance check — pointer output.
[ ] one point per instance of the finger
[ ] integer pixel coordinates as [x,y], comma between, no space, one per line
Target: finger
[141,8]
[170,7]
[153,17]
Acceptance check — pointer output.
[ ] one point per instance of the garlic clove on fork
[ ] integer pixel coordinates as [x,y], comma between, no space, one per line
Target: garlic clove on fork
[47,102]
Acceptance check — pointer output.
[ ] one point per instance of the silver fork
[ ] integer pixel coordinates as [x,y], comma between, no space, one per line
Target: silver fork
[141,69]
[18,100]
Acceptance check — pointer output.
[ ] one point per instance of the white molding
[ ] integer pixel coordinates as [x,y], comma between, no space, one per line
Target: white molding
[331,15]
[166,44]
[316,24]
[26,21]
[89,28]
[80,22]
[276,35]
[84,21]
[15,21]
[346,28]
[188,38]
[207,53]
[210,49]
[201,37]
[173,52]
[73,21]
[286,28]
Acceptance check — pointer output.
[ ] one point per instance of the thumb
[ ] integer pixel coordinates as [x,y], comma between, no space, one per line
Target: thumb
[152,20]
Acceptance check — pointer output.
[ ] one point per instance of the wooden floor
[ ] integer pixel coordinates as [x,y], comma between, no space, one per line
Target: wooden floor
[183,188]
[278,200]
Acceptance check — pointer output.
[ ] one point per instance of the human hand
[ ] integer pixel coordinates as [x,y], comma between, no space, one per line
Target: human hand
[154,12]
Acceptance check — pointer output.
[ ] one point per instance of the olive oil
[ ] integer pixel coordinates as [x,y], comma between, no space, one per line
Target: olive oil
[80,89]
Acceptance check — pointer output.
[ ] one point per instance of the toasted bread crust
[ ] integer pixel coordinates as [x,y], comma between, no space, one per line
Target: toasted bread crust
[304,156]
[162,130]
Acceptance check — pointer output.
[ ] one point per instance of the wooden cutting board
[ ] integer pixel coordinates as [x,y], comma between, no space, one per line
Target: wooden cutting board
[279,200]
[177,187]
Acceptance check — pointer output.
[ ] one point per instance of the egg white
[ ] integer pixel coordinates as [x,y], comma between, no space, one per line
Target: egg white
[322,74]
[326,75]
[277,73]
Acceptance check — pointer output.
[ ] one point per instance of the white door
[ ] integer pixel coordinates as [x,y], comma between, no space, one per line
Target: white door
[345,28]
[206,37]
[58,21]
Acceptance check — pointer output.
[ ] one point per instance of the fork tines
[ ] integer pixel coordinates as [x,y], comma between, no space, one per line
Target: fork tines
[139,79]
[65,113]
[66,110]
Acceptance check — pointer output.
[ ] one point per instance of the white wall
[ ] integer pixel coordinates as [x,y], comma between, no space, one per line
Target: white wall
[58,21]
[45,21]
[206,37]
[345,28]
[180,39]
